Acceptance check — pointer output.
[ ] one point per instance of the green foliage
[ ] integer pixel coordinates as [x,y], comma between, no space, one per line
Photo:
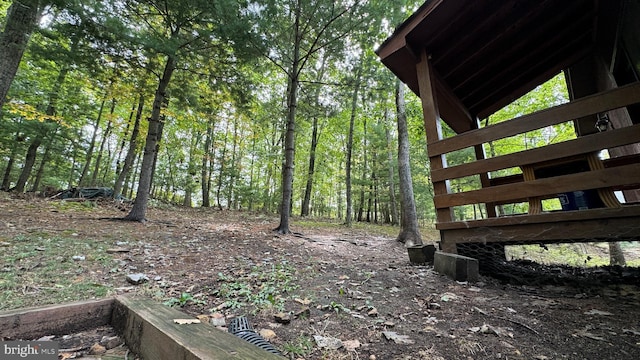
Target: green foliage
[230,87]
[184,299]
[301,346]
[261,288]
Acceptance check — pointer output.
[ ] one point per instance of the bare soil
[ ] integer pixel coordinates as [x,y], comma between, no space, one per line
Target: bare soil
[357,284]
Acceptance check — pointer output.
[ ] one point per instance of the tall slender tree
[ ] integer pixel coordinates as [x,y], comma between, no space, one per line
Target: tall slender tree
[176,30]
[22,18]
[409,232]
[296,30]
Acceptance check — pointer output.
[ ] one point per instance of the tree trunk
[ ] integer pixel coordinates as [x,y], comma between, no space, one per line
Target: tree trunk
[123,141]
[32,151]
[289,138]
[29,161]
[251,173]
[6,180]
[139,209]
[616,256]
[352,120]
[21,19]
[365,167]
[312,164]
[103,142]
[207,166]
[92,144]
[190,185]
[43,162]
[409,233]
[234,167]
[392,193]
[306,202]
[131,152]
[223,162]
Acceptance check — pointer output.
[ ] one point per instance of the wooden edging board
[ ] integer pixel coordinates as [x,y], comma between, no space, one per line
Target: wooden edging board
[148,328]
[32,323]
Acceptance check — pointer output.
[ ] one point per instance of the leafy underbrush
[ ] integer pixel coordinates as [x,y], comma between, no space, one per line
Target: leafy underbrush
[259,289]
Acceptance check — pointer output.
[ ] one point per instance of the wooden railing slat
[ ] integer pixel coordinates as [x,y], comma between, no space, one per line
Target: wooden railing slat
[581,145]
[617,176]
[589,105]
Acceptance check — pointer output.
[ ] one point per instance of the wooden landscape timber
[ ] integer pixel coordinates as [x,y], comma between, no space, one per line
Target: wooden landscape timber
[148,328]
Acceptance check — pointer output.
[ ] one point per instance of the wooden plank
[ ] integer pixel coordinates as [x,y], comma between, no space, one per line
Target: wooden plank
[611,177]
[150,331]
[589,230]
[627,211]
[601,102]
[35,322]
[581,145]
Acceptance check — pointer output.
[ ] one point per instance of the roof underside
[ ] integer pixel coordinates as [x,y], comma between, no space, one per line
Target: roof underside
[490,52]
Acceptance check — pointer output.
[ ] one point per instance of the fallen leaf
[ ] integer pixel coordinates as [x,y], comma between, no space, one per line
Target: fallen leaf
[267,334]
[328,342]
[586,334]
[597,312]
[398,339]
[351,345]
[203,318]
[186,321]
[304,301]
[448,297]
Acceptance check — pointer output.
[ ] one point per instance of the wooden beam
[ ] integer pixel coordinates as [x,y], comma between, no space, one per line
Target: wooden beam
[581,145]
[596,179]
[457,115]
[589,230]
[604,214]
[150,332]
[33,323]
[604,101]
[432,125]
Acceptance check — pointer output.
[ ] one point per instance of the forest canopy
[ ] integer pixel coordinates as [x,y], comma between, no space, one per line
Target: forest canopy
[221,102]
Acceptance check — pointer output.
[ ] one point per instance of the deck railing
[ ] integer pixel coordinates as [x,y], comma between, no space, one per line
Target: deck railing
[621,174]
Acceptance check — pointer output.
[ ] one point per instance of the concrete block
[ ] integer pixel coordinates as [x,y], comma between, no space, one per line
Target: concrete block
[421,254]
[457,267]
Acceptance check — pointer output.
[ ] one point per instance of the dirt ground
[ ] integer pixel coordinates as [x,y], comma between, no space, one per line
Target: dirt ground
[325,283]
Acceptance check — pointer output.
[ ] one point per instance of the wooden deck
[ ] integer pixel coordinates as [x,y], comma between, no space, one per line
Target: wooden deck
[467,61]
[608,224]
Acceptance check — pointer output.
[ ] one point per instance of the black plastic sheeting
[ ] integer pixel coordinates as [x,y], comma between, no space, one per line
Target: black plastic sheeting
[89,193]
[241,328]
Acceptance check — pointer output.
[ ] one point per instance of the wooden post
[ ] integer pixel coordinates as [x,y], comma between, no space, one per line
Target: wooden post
[433,131]
[484,177]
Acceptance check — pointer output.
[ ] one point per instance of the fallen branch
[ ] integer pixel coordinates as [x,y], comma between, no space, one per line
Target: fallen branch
[507,319]
[519,323]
